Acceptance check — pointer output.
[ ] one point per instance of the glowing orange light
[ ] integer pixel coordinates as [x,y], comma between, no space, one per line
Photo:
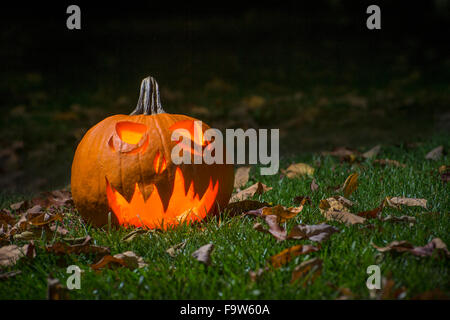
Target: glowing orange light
[130,132]
[183,206]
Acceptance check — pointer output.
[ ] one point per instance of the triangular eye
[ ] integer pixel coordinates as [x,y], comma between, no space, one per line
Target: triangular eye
[130,132]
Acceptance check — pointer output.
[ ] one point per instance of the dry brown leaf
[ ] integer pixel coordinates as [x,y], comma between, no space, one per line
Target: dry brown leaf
[317,232]
[236,208]
[256,189]
[372,152]
[241,177]
[445,177]
[45,219]
[9,255]
[343,154]
[133,234]
[281,212]
[127,259]
[399,219]
[274,228]
[173,251]
[335,209]
[350,184]
[298,170]
[435,154]
[314,186]
[389,162]
[308,270]
[203,254]
[55,290]
[302,200]
[395,202]
[85,247]
[371,214]
[427,250]
[10,274]
[286,255]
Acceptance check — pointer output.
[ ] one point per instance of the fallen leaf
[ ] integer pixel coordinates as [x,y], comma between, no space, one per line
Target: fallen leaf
[55,290]
[372,152]
[10,274]
[236,208]
[385,162]
[427,250]
[256,189]
[9,255]
[435,154]
[133,234]
[45,219]
[317,232]
[298,170]
[241,177]
[203,254]
[172,251]
[127,259]
[389,292]
[302,200]
[309,269]
[286,255]
[399,219]
[314,186]
[371,214]
[282,213]
[274,228]
[395,202]
[350,184]
[342,153]
[335,209]
[85,247]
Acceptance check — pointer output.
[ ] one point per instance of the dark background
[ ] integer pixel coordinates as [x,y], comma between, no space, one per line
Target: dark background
[311,68]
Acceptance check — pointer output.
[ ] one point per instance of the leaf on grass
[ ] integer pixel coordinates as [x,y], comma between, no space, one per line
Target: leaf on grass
[203,254]
[317,232]
[308,270]
[55,290]
[298,170]
[372,152]
[127,259]
[256,189]
[10,274]
[395,202]
[45,219]
[435,154]
[335,209]
[389,290]
[302,200]
[133,234]
[343,154]
[399,219]
[84,247]
[281,212]
[427,250]
[389,162]
[236,208]
[274,228]
[241,177]
[314,186]
[286,255]
[350,184]
[173,251]
[372,214]
[9,255]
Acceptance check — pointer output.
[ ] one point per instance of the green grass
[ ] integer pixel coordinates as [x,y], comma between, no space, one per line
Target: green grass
[239,248]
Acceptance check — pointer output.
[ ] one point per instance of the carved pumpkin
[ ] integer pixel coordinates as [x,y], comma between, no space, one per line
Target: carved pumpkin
[123,165]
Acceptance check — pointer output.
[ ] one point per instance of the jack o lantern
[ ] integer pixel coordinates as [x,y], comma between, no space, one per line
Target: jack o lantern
[123,165]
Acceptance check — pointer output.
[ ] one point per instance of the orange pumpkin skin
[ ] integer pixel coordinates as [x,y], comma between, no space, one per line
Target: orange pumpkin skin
[122,160]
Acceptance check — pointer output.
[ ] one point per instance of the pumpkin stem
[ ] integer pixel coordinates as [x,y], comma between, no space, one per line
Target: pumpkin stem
[149,101]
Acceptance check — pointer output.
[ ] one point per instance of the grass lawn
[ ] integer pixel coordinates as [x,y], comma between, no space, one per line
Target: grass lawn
[238,248]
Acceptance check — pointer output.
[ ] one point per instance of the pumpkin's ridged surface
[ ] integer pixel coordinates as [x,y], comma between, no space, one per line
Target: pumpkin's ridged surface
[98,160]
